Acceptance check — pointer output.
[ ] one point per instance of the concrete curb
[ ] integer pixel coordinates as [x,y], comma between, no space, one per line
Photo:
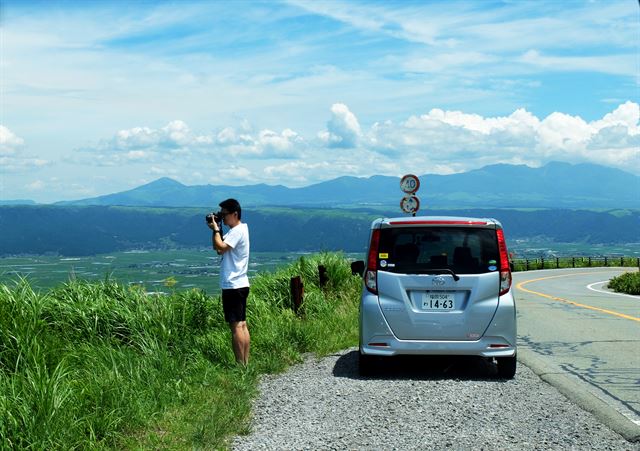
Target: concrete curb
[574,390]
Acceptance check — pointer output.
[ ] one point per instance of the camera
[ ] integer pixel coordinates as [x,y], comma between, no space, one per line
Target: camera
[217,217]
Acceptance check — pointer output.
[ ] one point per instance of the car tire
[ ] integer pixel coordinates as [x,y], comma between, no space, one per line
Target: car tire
[506,367]
[366,364]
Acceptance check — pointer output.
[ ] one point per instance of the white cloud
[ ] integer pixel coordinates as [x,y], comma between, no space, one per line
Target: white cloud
[176,134]
[246,143]
[297,172]
[474,122]
[37,185]
[506,27]
[439,141]
[233,174]
[453,139]
[136,155]
[279,144]
[447,60]
[176,138]
[139,144]
[627,115]
[625,64]
[156,170]
[13,155]
[343,129]
[9,141]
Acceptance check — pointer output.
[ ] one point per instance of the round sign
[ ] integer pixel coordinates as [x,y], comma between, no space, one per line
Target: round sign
[410,204]
[409,184]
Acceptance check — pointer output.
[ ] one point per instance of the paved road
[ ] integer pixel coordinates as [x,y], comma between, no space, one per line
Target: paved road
[585,338]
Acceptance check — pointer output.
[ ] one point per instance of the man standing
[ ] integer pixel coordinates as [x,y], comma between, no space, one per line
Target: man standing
[233,275]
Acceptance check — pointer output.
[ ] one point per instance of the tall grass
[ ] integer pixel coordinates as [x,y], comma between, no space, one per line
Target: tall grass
[103,365]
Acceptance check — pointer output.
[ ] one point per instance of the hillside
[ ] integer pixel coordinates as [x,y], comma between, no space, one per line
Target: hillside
[556,185]
[87,230]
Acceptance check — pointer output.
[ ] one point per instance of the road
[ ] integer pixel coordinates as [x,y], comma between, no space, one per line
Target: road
[584,339]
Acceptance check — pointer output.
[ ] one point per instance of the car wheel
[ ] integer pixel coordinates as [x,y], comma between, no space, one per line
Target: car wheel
[366,364]
[506,367]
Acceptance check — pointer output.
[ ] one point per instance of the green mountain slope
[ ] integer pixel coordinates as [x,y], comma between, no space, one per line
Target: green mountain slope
[88,230]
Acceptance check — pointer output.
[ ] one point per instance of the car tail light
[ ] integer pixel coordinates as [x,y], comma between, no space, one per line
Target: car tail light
[505,270]
[371,276]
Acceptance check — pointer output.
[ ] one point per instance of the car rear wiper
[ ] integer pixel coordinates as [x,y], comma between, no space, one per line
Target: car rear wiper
[444,271]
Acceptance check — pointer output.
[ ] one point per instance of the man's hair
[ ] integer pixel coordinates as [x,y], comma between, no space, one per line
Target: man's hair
[231,205]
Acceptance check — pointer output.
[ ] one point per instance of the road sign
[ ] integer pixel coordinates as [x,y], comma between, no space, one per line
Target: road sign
[409,184]
[410,204]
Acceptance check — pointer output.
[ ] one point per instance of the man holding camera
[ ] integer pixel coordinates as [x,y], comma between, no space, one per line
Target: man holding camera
[234,282]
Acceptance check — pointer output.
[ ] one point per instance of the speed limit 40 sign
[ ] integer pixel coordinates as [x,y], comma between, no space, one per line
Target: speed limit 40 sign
[410,203]
[409,183]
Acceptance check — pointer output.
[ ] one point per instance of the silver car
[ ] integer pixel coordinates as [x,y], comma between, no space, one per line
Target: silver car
[438,286]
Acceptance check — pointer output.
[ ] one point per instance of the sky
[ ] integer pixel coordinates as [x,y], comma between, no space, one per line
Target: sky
[99,97]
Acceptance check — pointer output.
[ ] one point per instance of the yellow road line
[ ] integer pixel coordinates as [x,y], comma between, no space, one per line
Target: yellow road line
[577,304]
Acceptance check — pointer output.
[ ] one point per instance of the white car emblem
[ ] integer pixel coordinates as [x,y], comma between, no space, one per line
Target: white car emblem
[438,281]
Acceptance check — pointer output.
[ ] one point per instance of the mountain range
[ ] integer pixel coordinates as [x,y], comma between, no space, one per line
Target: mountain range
[555,185]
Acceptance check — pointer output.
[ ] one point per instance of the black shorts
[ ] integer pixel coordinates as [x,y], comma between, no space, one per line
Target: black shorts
[234,304]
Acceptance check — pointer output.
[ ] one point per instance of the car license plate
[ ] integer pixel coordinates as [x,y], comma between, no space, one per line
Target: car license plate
[438,300]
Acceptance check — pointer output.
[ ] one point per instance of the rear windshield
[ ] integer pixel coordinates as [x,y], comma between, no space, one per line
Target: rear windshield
[416,250]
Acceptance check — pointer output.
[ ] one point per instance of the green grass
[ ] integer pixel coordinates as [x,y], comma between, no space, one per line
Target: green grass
[628,283]
[102,365]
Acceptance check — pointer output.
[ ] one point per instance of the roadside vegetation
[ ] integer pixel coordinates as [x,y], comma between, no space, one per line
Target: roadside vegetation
[529,264]
[628,283]
[104,365]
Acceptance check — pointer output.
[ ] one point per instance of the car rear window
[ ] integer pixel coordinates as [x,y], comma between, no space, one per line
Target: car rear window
[415,250]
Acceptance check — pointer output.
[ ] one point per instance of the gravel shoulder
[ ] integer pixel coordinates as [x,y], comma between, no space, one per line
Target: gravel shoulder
[417,403]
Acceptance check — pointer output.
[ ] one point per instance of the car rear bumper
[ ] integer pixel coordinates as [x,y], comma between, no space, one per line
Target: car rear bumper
[392,346]
[377,338]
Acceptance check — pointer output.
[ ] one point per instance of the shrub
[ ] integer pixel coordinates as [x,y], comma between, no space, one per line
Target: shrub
[628,283]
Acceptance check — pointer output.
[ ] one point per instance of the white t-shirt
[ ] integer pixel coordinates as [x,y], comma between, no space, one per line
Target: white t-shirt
[235,262]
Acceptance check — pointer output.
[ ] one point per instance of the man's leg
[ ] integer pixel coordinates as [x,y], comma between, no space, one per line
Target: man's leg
[246,343]
[240,340]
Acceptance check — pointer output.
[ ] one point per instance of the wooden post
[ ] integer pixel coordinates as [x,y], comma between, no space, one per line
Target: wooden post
[357,268]
[297,293]
[324,278]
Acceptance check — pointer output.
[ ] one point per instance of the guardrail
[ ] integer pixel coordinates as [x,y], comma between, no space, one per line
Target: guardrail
[528,264]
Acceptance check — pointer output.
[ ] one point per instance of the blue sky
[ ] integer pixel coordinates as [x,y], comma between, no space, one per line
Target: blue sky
[98,97]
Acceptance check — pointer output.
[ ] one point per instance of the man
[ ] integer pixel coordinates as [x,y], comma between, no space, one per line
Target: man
[233,275]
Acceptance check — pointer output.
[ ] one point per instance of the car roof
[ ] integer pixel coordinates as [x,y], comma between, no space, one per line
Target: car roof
[434,221]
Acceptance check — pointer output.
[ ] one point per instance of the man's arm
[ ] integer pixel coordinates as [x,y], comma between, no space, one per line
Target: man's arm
[216,239]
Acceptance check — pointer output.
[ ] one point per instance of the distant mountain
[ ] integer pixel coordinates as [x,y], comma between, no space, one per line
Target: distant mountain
[17,202]
[555,185]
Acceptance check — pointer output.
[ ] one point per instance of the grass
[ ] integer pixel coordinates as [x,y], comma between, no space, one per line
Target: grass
[103,365]
[628,283]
